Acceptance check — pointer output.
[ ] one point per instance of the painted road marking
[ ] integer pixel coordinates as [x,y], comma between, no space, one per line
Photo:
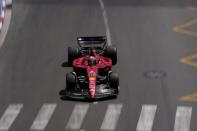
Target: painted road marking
[146,119]
[188,60]
[77,117]
[105,22]
[111,117]
[183,28]
[43,117]
[183,117]
[9,116]
[192,97]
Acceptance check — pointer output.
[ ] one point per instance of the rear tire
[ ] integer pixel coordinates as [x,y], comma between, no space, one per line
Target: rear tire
[70,82]
[111,52]
[114,81]
[73,53]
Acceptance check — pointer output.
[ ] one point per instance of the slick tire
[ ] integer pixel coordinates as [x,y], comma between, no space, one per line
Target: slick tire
[73,53]
[111,52]
[114,81]
[70,82]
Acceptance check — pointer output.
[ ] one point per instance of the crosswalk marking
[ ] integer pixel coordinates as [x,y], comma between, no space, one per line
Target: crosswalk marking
[183,117]
[43,117]
[110,121]
[77,116]
[146,119]
[9,116]
[111,117]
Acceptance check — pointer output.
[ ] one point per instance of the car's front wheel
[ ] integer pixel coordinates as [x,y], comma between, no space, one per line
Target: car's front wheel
[70,82]
[114,81]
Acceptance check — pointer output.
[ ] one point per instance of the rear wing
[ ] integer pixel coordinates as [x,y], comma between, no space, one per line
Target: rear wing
[96,41]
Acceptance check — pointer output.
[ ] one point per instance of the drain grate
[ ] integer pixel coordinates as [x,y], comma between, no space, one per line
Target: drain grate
[155,74]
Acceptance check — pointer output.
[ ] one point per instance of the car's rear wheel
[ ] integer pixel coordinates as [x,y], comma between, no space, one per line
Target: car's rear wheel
[73,53]
[111,52]
[70,82]
[114,81]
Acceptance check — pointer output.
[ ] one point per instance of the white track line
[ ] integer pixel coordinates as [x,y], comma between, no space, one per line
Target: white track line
[43,117]
[183,117]
[77,117]
[111,117]
[9,116]
[105,22]
[146,119]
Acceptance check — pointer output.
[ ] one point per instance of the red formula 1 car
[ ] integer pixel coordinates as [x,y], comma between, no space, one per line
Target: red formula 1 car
[92,63]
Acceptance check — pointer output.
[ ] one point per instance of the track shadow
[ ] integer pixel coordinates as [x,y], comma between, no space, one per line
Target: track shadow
[65,98]
[65,64]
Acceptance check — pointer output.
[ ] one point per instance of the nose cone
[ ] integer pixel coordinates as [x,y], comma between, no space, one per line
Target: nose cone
[92,86]
[92,93]
[92,82]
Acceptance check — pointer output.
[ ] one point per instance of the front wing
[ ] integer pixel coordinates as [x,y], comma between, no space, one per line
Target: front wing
[101,93]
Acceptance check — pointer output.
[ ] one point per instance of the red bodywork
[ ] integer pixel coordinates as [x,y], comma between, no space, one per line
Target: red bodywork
[103,63]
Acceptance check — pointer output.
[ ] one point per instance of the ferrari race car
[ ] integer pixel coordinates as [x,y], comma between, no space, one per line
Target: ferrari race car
[92,76]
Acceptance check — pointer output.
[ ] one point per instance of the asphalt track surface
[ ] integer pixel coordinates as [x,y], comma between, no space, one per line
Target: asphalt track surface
[36,46]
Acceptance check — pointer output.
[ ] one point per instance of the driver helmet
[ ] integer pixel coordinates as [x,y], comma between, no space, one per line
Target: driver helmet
[92,61]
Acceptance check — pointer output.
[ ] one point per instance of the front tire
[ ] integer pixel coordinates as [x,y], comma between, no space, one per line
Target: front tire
[70,82]
[114,81]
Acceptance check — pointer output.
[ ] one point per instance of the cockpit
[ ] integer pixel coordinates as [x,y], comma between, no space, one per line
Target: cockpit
[92,61]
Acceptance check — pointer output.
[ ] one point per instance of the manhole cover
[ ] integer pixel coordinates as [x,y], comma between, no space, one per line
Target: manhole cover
[155,74]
